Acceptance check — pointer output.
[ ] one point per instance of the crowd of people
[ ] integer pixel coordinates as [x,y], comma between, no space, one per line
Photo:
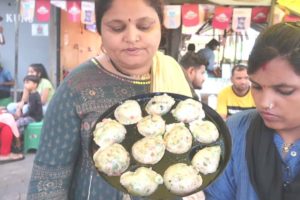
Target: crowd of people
[15,116]
[258,107]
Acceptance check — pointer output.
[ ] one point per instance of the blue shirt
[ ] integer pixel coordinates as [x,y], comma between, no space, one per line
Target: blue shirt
[210,56]
[5,76]
[234,183]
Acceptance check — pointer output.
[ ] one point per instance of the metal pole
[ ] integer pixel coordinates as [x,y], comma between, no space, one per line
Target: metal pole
[17,24]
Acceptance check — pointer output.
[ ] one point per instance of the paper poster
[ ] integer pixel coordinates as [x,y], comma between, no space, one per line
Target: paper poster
[260,14]
[74,10]
[222,17]
[39,29]
[201,16]
[42,10]
[172,18]
[241,19]
[27,10]
[87,12]
[190,14]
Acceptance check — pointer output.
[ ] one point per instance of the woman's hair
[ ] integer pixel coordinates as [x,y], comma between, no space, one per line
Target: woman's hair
[40,68]
[280,40]
[101,6]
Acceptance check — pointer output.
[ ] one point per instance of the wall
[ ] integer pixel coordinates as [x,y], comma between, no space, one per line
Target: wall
[31,49]
[76,43]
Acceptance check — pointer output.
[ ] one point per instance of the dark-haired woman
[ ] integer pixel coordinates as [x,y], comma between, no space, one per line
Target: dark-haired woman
[131,65]
[265,160]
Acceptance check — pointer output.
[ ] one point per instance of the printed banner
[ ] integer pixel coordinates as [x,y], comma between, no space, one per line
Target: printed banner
[222,17]
[39,29]
[74,10]
[201,19]
[42,10]
[87,12]
[190,14]
[241,19]
[260,14]
[172,16]
[60,4]
[27,10]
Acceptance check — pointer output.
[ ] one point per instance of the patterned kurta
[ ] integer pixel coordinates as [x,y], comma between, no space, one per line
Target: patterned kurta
[63,168]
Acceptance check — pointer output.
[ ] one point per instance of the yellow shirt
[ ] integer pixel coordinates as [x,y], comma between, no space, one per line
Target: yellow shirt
[229,103]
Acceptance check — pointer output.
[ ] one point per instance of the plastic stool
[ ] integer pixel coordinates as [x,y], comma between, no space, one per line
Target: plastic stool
[32,135]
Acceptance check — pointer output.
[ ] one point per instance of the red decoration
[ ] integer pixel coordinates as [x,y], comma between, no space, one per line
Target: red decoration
[190,14]
[42,9]
[222,17]
[291,18]
[260,14]
[74,10]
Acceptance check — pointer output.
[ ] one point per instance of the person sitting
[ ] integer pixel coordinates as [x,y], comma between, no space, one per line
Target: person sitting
[45,89]
[6,83]
[208,53]
[194,67]
[8,131]
[35,109]
[236,97]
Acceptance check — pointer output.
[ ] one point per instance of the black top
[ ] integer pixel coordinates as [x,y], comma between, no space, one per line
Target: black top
[35,108]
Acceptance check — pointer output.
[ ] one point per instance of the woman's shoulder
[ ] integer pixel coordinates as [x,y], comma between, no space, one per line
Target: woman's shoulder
[238,123]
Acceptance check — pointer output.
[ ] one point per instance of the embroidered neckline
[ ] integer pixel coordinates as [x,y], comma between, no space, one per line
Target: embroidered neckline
[133,81]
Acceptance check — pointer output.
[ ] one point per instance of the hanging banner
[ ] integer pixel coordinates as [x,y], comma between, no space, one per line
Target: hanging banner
[293,5]
[190,14]
[27,10]
[172,16]
[60,4]
[87,12]
[241,19]
[74,9]
[222,17]
[260,14]
[188,29]
[42,10]
[243,2]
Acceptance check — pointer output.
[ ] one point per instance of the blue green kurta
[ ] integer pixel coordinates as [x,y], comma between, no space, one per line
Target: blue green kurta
[63,168]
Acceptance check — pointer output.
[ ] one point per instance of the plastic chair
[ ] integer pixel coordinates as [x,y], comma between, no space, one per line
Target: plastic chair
[32,135]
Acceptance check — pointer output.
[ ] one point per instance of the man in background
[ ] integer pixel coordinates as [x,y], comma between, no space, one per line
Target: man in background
[194,67]
[236,97]
[6,83]
[208,53]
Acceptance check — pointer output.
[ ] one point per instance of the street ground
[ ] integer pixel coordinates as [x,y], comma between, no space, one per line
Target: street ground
[15,177]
